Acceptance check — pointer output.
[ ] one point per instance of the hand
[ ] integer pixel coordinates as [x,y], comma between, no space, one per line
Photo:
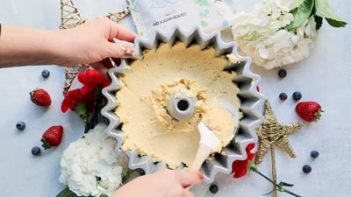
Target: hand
[86,44]
[166,183]
[92,42]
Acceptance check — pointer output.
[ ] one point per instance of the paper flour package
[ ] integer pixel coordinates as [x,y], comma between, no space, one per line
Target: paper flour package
[210,15]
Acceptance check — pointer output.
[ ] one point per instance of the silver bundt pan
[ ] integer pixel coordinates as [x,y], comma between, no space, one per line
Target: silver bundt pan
[251,102]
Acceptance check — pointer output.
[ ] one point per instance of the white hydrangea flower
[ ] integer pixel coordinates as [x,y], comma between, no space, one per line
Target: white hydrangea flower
[260,34]
[89,166]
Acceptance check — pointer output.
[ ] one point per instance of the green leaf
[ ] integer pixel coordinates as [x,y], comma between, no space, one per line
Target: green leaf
[66,193]
[295,4]
[323,9]
[336,23]
[269,193]
[301,14]
[82,111]
[284,184]
[319,21]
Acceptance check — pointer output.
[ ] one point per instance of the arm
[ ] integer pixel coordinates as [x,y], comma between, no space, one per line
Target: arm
[85,44]
[165,183]
[22,46]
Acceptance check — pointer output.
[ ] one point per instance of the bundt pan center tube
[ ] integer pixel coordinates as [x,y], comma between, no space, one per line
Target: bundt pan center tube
[182,100]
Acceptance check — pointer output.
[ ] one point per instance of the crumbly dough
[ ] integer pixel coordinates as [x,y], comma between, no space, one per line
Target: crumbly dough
[146,88]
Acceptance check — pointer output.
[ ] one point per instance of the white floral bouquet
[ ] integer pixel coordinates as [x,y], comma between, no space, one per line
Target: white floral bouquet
[281,32]
[91,167]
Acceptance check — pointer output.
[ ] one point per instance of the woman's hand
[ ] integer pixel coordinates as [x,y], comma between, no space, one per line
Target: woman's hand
[93,42]
[166,183]
[89,43]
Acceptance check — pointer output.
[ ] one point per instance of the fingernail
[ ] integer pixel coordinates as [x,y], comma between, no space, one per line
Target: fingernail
[200,175]
[128,51]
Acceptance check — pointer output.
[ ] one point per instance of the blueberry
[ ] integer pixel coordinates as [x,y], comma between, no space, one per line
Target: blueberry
[45,74]
[36,151]
[141,172]
[314,154]
[283,96]
[282,73]
[20,125]
[213,188]
[297,96]
[306,169]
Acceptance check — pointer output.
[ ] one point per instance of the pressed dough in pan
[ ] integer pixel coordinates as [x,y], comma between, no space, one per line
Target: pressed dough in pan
[148,84]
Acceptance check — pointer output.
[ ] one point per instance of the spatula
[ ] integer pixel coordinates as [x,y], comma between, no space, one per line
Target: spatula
[209,143]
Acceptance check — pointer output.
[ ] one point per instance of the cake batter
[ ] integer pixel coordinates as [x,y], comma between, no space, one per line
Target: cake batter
[148,84]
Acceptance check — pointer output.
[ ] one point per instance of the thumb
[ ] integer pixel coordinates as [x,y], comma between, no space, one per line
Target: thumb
[188,178]
[120,50]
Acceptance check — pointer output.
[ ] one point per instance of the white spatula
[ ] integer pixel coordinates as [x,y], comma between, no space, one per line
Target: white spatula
[209,143]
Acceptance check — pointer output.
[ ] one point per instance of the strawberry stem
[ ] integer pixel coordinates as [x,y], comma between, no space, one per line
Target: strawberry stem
[46,145]
[318,115]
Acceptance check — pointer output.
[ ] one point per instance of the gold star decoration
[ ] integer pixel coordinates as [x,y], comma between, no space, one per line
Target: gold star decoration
[271,134]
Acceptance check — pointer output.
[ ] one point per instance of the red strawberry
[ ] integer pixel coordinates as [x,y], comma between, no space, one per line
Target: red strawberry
[40,97]
[309,111]
[52,136]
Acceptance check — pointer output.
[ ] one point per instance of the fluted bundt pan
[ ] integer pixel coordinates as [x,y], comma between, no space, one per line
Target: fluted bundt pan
[251,101]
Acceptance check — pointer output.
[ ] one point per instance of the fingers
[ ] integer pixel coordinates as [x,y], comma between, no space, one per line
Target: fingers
[190,178]
[119,50]
[120,32]
[187,193]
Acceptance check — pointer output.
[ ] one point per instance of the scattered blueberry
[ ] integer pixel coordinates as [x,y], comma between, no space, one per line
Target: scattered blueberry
[306,169]
[141,172]
[314,154]
[213,188]
[20,125]
[283,96]
[45,74]
[297,96]
[36,151]
[282,73]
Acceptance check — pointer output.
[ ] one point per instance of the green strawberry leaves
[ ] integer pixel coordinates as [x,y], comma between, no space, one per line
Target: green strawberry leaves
[323,9]
[318,9]
[301,14]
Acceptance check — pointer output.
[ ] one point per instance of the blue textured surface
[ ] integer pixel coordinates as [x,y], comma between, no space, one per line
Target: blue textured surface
[325,76]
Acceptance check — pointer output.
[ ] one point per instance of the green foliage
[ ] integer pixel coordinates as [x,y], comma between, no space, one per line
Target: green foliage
[301,14]
[324,10]
[82,111]
[66,193]
[318,9]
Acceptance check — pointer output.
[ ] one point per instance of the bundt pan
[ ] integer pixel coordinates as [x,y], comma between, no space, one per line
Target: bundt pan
[251,101]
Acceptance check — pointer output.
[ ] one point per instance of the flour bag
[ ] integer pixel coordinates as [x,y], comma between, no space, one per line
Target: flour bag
[210,15]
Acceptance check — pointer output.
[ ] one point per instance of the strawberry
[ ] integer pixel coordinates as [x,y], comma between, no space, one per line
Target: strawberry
[309,111]
[52,136]
[40,97]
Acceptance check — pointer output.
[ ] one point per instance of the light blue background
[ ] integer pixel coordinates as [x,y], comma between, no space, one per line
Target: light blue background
[325,76]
